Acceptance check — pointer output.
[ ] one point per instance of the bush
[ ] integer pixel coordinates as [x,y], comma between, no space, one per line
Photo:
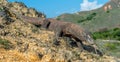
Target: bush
[58,18]
[82,19]
[5,44]
[109,34]
[114,46]
[89,17]
[1,9]
[110,46]
[108,11]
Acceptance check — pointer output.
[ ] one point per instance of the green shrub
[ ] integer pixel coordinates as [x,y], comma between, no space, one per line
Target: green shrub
[109,34]
[58,18]
[1,9]
[110,46]
[79,21]
[89,17]
[108,11]
[5,44]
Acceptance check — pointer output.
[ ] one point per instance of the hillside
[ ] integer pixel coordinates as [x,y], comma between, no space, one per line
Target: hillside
[103,23]
[21,41]
[106,17]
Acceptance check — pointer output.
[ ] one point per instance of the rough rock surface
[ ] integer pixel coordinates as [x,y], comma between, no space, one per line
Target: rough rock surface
[37,45]
[20,8]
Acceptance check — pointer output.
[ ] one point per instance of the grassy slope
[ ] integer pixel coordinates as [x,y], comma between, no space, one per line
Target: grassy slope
[101,20]
[109,47]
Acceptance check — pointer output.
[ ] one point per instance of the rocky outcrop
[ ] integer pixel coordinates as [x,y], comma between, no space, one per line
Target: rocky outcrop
[20,8]
[112,4]
[35,45]
[32,44]
[3,2]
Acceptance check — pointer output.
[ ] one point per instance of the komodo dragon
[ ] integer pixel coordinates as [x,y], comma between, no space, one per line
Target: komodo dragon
[62,28]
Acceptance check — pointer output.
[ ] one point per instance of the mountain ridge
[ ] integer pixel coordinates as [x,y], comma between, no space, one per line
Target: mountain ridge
[93,19]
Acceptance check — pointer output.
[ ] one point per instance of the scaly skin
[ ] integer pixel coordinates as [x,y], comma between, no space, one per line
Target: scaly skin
[32,20]
[62,28]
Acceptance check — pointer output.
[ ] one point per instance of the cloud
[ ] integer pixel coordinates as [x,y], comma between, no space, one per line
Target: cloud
[86,5]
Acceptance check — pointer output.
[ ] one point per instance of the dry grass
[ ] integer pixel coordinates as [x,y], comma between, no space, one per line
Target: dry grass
[15,56]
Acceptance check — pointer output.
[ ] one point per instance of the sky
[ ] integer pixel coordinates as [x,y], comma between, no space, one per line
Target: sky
[54,8]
